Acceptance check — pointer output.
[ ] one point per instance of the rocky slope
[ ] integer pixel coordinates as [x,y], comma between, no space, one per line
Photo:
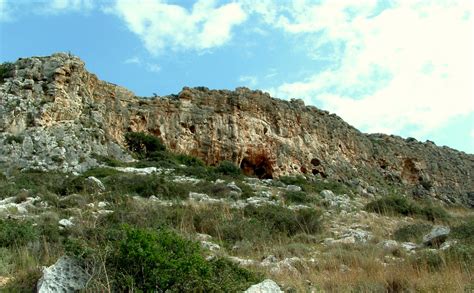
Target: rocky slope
[54,114]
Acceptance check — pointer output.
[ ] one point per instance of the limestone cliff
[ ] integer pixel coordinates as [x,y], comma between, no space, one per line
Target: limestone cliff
[56,115]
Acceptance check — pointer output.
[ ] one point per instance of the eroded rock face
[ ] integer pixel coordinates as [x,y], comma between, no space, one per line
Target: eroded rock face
[56,115]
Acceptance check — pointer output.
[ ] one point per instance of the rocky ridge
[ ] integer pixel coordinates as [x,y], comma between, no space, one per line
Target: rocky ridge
[55,115]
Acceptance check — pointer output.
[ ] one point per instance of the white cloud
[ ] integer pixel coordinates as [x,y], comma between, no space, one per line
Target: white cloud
[248,80]
[151,67]
[11,9]
[406,67]
[133,60]
[4,11]
[161,26]
[69,5]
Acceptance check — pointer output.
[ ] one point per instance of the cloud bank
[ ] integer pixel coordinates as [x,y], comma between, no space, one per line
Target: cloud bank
[163,26]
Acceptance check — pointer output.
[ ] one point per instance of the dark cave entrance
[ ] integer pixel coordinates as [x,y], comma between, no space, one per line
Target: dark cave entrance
[259,166]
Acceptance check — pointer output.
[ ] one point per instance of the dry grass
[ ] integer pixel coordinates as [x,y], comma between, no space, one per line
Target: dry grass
[348,270]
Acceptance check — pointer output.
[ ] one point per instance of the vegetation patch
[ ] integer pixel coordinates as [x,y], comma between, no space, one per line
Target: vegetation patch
[6,70]
[161,261]
[412,232]
[16,232]
[398,205]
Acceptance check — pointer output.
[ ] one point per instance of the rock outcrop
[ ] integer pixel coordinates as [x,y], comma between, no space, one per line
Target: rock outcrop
[54,114]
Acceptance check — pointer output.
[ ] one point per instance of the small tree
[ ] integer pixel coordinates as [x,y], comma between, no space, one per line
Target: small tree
[143,144]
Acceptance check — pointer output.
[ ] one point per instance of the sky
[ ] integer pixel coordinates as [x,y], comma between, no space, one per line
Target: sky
[396,67]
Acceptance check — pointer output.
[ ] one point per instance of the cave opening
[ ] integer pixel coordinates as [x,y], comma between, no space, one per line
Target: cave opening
[259,166]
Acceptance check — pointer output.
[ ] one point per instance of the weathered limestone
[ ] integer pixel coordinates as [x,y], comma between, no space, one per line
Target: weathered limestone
[54,115]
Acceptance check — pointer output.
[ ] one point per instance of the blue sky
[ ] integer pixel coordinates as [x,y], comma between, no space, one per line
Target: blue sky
[397,67]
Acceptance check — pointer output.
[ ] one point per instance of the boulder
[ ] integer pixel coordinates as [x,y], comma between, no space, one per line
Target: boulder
[65,223]
[232,186]
[95,183]
[437,236]
[293,188]
[389,245]
[267,286]
[66,275]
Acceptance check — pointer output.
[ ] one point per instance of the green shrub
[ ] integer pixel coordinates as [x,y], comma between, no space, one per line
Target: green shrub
[144,145]
[282,220]
[461,254]
[412,232]
[14,138]
[229,277]
[464,232]
[397,205]
[316,186]
[202,172]
[108,160]
[228,168]
[134,184]
[16,232]
[6,70]
[298,197]
[100,172]
[430,260]
[190,161]
[294,180]
[163,261]
[36,182]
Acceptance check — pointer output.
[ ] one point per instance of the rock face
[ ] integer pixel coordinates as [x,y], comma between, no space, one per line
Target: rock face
[64,276]
[56,115]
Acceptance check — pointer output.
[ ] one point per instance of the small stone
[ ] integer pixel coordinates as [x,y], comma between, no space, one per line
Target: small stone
[409,246]
[389,245]
[234,187]
[203,237]
[267,286]
[96,183]
[437,236]
[327,194]
[66,222]
[102,204]
[210,246]
[293,188]
[448,244]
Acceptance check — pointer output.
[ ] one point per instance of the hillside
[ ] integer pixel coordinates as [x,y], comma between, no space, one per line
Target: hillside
[57,115]
[216,190]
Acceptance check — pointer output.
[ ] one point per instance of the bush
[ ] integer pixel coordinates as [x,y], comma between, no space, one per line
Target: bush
[100,172]
[163,261]
[144,145]
[315,187]
[14,138]
[298,197]
[412,233]
[282,220]
[294,180]
[16,232]
[6,70]
[134,184]
[108,161]
[228,168]
[430,260]
[190,161]
[397,205]
[464,232]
